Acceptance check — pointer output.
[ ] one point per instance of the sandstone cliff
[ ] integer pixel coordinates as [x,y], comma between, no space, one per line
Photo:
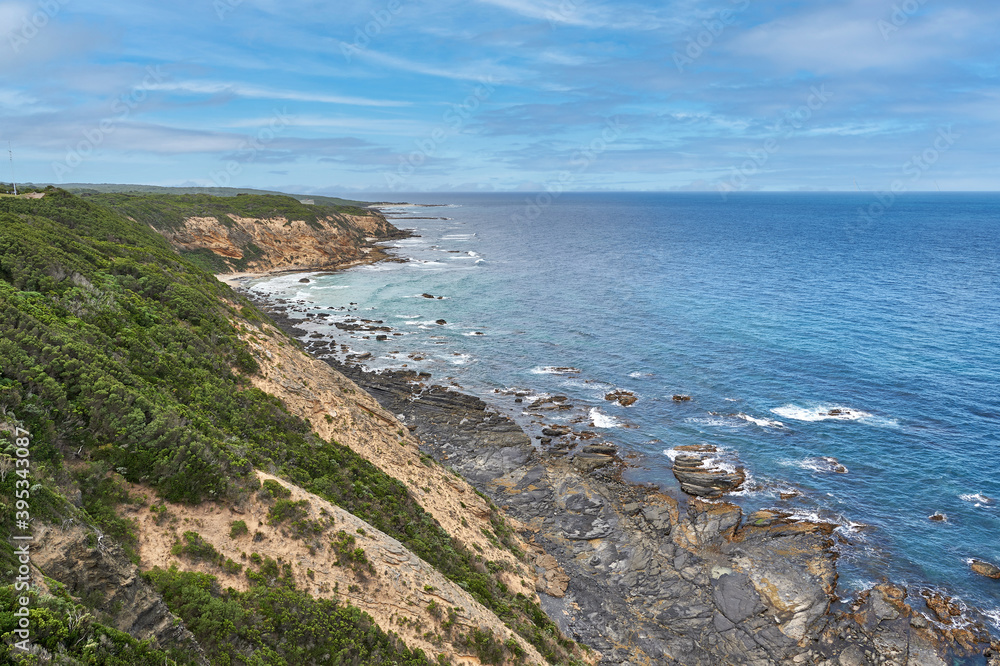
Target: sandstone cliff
[256,232]
[267,244]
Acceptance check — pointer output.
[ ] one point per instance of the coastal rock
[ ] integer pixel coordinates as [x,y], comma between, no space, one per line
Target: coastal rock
[440,322]
[556,431]
[938,517]
[623,398]
[700,480]
[681,398]
[551,578]
[663,579]
[588,462]
[826,464]
[550,404]
[304,280]
[985,569]
[943,607]
[427,295]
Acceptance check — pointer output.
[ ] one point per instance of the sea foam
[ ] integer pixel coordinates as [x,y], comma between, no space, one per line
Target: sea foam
[820,413]
[977,499]
[763,423]
[602,420]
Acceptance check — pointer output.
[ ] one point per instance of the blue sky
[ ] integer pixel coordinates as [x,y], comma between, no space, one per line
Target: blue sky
[439,95]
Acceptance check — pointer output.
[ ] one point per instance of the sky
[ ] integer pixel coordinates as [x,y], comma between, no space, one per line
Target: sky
[504,95]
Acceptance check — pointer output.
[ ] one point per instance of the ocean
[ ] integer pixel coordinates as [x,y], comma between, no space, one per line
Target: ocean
[769,310]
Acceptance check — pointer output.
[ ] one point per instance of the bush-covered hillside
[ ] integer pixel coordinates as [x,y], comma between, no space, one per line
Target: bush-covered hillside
[119,358]
[168,211]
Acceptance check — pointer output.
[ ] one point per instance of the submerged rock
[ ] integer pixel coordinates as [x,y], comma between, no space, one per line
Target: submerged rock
[938,517]
[681,398]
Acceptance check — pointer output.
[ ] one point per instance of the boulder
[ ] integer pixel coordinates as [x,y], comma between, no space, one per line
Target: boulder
[985,569]
[606,449]
[440,322]
[427,296]
[304,280]
[623,398]
[938,517]
[701,481]
[681,398]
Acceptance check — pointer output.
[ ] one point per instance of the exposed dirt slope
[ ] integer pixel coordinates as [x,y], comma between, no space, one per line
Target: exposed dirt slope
[339,410]
[398,592]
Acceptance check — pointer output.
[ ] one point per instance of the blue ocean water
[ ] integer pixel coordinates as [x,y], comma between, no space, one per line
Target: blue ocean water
[768,309]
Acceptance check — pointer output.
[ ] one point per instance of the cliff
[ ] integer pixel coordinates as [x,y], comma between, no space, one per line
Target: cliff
[257,233]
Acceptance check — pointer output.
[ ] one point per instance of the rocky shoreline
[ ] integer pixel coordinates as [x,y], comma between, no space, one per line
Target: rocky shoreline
[648,577]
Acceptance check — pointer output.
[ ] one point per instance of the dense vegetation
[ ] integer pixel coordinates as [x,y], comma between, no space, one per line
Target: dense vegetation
[104,188]
[117,352]
[168,211]
[277,624]
[62,626]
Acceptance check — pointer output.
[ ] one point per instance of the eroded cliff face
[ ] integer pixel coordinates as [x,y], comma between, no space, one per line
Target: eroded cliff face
[269,244]
[94,567]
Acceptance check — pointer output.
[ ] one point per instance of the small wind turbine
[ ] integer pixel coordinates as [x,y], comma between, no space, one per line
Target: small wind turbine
[10,150]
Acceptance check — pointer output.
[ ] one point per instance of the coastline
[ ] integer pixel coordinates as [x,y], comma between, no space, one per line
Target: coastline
[649,533]
[371,254]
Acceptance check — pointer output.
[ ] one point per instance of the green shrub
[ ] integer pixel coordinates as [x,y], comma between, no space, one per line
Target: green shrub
[273,489]
[237,528]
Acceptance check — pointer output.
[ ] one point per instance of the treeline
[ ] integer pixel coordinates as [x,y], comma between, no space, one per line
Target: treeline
[168,211]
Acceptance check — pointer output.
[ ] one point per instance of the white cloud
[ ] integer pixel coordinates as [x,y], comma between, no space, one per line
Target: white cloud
[256,92]
[849,39]
[582,13]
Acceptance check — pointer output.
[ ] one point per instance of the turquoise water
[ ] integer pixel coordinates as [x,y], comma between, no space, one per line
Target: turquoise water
[768,309]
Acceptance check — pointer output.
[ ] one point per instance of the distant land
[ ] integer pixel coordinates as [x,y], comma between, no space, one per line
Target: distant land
[125,188]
